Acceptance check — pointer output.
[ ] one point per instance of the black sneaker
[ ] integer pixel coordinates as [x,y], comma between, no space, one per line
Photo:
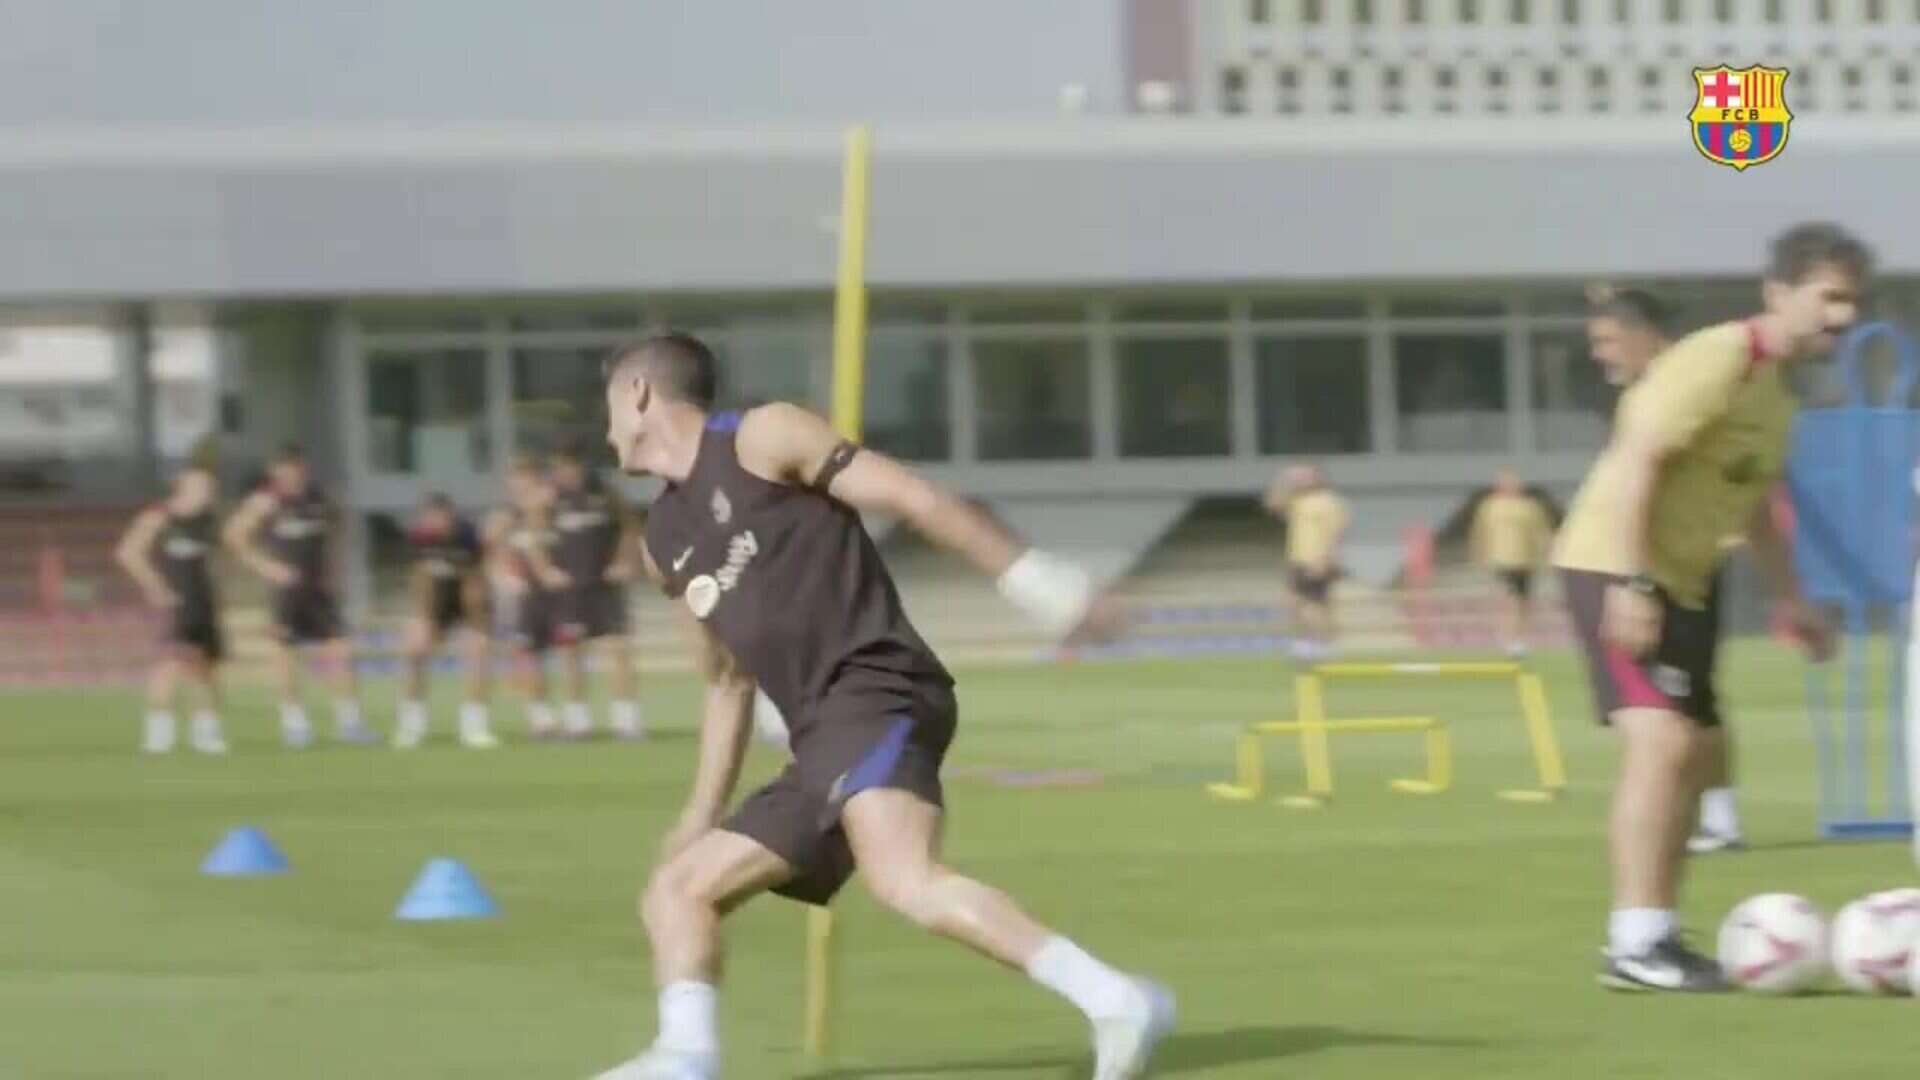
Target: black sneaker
[1671,965]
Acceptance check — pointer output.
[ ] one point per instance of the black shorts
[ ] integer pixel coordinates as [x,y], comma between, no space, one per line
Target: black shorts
[531,626]
[306,614]
[595,610]
[1310,585]
[195,627]
[455,603]
[850,746]
[1517,582]
[1679,674]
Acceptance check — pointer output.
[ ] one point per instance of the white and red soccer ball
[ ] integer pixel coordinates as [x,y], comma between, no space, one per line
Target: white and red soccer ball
[1875,940]
[1775,943]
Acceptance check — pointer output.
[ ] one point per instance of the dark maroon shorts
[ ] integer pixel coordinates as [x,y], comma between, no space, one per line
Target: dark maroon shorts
[1310,585]
[848,746]
[1678,676]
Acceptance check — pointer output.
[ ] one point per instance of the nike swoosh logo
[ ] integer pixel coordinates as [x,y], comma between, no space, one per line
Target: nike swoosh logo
[682,560]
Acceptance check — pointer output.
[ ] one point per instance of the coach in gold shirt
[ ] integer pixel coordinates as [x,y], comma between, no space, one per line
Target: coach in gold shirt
[1316,520]
[1510,536]
[1698,441]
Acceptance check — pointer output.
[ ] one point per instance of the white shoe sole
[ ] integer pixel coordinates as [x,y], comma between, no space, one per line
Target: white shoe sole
[1162,1013]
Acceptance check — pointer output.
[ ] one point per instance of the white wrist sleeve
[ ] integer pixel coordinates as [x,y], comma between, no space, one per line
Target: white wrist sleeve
[1051,591]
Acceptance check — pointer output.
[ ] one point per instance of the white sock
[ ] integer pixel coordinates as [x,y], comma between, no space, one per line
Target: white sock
[1632,931]
[626,716]
[473,717]
[578,720]
[687,1011]
[206,726]
[346,715]
[413,716]
[1070,971]
[1719,814]
[540,716]
[157,738]
[293,719]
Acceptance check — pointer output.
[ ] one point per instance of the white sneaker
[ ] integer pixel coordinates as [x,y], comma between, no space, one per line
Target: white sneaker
[296,736]
[479,738]
[1708,842]
[658,1064]
[157,735]
[409,736]
[1123,1044]
[209,743]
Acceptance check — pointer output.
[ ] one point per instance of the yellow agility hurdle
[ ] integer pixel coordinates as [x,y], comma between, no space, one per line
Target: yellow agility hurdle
[1313,727]
[1250,780]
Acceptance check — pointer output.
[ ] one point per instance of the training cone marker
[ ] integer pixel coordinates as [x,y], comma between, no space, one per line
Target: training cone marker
[244,852]
[446,889]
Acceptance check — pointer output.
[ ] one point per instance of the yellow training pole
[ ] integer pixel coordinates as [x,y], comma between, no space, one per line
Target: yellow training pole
[849,384]
[1546,747]
[1313,735]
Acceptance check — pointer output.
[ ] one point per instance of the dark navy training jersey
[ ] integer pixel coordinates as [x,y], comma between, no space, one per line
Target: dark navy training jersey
[587,525]
[445,554]
[296,532]
[789,581]
[181,552]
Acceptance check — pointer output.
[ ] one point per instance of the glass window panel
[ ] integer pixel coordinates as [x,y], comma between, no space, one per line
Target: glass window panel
[1451,392]
[1172,309]
[1173,397]
[756,368]
[1309,307]
[1572,403]
[186,357]
[623,319]
[905,412]
[66,405]
[422,320]
[922,312]
[1446,307]
[1055,309]
[1034,399]
[559,397]
[427,411]
[1312,395]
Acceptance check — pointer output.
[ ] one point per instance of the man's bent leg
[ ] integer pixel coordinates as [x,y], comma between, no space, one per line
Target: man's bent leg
[159,730]
[295,731]
[418,640]
[1652,806]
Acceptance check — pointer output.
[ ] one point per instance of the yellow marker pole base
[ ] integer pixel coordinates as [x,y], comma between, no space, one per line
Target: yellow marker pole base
[1303,802]
[1416,787]
[1526,795]
[1232,792]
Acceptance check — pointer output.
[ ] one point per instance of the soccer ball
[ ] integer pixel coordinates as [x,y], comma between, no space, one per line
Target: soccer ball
[1874,939]
[1775,943]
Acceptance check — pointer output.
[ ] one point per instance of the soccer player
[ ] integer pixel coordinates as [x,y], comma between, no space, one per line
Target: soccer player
[446,591]
[1316,519]
[165,550]
[791,596]
[593,547]
[1510,538]
[1626,329]
[518,539]
[282,532]
[1698,441]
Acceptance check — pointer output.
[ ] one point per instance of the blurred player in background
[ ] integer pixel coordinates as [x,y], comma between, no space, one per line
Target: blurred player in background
[1510,537]
[593,549]
[167,550]
[446,592]
[792,598]
[1699,440]
[1316,520]
[283,532]
[1626,330]
[519,539]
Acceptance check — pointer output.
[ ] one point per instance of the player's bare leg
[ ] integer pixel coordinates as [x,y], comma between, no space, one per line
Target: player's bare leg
[418,641]
[624,716]
[576,715]
[348,726]
[1719,826]
[296,732]
[160,729]
[1515,613]
[476,727]
[895,836]
[682,907]
[203,732]
[534,688]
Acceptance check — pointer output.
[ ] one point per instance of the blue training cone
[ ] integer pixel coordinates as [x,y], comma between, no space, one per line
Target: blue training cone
[446,889]
[244,852]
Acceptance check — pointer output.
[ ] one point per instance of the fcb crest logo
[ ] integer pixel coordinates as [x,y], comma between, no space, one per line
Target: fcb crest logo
[1740,115]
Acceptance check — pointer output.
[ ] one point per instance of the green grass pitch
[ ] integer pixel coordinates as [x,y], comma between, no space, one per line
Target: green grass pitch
[1439,937]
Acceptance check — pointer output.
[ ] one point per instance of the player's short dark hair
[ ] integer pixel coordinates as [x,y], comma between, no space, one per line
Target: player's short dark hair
[1804,248]
[439,500]
[526,462]
[1632,307]
[569,451]
[290,454]
[675,362]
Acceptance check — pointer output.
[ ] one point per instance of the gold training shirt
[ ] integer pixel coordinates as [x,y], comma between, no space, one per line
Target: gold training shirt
[1722,412]
[1511,532]
[1314,521]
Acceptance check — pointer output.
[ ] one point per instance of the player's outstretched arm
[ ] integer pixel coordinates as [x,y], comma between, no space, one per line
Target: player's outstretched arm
[241,534]
[132,555]
[789,445]
[1806,622]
